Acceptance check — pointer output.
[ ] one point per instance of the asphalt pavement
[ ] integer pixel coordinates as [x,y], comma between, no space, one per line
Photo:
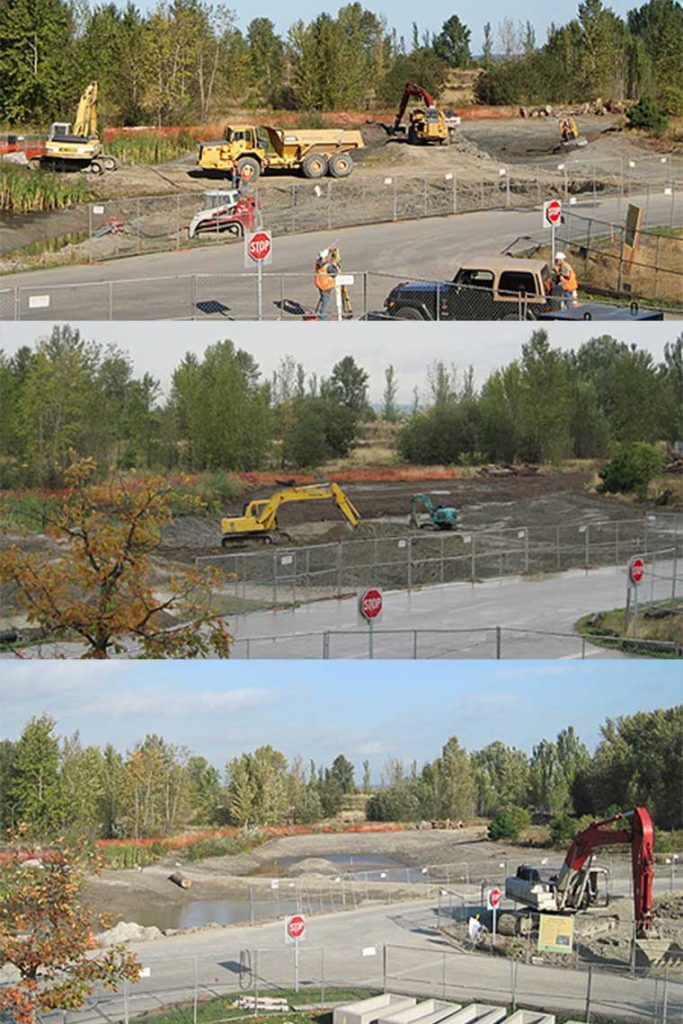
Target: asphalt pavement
[396,947]
[536,617]
[170,285]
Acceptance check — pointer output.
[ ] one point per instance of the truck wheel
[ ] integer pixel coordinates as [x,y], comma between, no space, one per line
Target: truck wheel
[248,169]
[408,313]
[314,165]
[340,165]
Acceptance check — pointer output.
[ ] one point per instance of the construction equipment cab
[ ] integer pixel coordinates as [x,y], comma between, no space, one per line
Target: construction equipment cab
[576,885]
[426,123]
[249,151]
[78,147]
[424,513]
[259,517]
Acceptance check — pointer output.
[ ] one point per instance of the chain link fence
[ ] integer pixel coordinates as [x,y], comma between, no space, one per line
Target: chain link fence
[205,987]
[275,577]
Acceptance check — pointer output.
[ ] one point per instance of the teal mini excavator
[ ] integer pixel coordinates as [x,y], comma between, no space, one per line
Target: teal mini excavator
[424,513]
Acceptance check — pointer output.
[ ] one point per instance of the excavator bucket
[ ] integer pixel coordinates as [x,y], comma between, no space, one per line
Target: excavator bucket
[658,953]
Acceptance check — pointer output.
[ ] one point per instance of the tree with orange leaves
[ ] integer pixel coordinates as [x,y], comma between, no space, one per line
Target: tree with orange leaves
[46,932]
[100,590]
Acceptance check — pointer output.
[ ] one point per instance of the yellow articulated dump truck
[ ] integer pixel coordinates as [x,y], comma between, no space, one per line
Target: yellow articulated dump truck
[248,151]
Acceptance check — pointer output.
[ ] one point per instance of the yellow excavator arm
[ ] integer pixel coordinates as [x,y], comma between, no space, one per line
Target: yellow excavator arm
[259,517]
[86,114]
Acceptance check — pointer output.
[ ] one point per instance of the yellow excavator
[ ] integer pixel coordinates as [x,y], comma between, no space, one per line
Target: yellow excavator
[259,517]
[78,147]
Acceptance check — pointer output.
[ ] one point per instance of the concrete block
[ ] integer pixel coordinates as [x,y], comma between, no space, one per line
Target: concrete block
[429,1011]
[368,1011]
[479,1013]
[530,1017]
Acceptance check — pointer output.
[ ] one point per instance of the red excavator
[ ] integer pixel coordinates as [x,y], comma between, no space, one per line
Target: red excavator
[425,124]
[576,886]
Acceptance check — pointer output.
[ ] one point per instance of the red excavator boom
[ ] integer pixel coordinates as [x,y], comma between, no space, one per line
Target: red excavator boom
[411,89]
[637,833]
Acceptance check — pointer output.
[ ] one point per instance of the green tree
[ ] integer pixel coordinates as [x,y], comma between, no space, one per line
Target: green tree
[544,411]
[452,44]
[342,772]
[390,411]
[266,56]
[8,756]
[450,782]
[35,790]
[501,776]
[348,384]
[36,43]
[205,795]
[81,785]
[549,786]
[113,775]
[256,788]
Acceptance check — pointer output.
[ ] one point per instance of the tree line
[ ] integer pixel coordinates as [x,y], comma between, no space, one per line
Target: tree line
[185,61]
[73,398]
[54,784]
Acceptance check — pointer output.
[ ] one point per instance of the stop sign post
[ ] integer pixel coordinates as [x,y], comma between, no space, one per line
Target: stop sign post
[295,932]
[370,604]
[258,250]
[552,216]
[636,575]
[493,897]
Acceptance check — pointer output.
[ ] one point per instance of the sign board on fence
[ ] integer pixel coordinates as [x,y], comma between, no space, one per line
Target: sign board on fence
[556,934]
[295,928]
[38,301]
[634,219]
[258,248]
[552,213]
[493,899]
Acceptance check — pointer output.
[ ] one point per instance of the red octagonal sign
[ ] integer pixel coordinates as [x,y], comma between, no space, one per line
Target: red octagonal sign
[371,603]
[494,898]
[259,246]
[553,211]
[296,926]
[636,570]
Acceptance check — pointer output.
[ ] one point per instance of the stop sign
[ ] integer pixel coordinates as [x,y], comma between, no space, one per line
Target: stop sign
[370,603]
[552,211]
[259,246]
[494,898]
[296,926]
[636,570]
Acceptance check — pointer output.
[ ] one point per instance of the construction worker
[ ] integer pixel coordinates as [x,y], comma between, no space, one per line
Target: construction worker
[335,256]
[565,278]
[325,272]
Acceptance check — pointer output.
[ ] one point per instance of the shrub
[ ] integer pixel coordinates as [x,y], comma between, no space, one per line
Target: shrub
[671,100]
[563,828]
[631,469]
[509,823]
[647,114]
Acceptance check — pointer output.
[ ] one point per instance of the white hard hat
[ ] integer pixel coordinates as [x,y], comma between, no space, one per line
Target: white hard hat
[323,253]
[560,256]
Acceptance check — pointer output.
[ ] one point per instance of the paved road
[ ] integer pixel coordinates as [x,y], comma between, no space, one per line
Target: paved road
[432,247]
[548,605]
[416,960]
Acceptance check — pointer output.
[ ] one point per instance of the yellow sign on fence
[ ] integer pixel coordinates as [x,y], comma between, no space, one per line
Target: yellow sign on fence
[556,934]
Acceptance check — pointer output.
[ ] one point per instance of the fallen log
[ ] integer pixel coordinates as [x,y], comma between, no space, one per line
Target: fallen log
[180,880]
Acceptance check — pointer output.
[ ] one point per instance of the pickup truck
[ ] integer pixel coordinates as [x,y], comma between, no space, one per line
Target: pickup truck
[498,288]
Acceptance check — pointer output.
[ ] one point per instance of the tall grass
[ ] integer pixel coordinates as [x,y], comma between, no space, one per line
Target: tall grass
[26,191]
[151,147]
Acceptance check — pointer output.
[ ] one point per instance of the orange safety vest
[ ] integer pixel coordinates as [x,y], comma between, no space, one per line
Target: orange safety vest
[323,279]
[568,278]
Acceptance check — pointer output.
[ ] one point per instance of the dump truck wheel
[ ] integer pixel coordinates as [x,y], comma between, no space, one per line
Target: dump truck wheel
[341,165]
[408,313]
[249,169]
[314,165]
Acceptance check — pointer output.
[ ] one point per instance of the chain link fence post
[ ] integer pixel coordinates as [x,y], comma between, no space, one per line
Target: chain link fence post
[195,997]
[589,983]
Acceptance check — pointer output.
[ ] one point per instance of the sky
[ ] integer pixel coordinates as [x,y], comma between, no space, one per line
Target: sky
[400,14]
[320,709]
[158,346]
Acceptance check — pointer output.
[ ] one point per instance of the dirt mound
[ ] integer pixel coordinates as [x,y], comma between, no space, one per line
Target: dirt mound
[313,866]
[670,906]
